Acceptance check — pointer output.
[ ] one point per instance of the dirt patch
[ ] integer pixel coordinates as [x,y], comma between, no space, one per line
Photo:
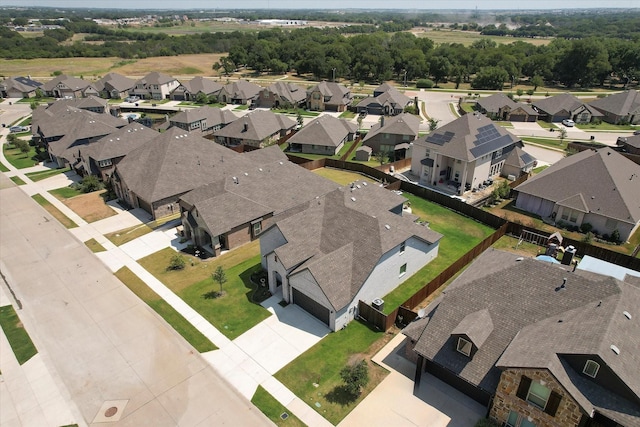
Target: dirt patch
[90,207]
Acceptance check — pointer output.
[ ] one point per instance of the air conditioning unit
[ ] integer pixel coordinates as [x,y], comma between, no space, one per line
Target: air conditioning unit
[378,304]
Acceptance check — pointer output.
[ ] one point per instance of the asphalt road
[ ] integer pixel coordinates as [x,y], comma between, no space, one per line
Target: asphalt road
[107,347]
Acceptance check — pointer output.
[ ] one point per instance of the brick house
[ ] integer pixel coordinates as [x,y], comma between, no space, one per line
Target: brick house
[620,107]
[202,120]
[155,85]
[386,100]
[115,86]
[539,344]
[500,107]
[189,90]
[329,96]
[282,94]
[259,128]
[565,106]
[386,135]
[239,92]
[65,86]
[19,87]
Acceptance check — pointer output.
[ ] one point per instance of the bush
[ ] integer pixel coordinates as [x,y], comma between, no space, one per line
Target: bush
[355,377]
[486,422]
[177,263]
[588,237]
[425,83]
[586,227]
[615,236]
[89,184]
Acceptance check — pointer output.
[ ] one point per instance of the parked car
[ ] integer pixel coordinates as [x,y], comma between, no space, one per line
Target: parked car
[132,99]
[13,129]
[636,132]
[568,123]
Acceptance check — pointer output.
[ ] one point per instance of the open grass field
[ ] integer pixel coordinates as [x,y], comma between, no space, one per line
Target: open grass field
[166,311]
[233,313]
[315,375]
[467,38]
[55,212]
[274,410]
[17,336]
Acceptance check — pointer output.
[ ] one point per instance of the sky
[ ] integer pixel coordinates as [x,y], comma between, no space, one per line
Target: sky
[326,4]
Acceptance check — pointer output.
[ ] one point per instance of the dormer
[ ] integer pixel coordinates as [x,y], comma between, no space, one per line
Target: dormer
[472,332]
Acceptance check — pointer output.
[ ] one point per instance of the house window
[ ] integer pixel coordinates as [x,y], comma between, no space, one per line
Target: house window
[104,163]
[464,346]
[403,270]
[427,153]
[402,247]
[591,368]
[538,394]
[573,217]
[256,228]
[516,420]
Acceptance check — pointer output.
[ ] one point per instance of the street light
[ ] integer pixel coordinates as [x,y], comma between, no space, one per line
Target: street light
[334,74]
[405,78]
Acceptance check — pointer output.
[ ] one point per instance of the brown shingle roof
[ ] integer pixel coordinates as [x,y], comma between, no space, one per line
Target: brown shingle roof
[324,130]
[291,92]
[115,81]
[213,116]
[402,124]
[119,143]
[338,94]
[73,83]
[620,104]
[256,126]
[201,85]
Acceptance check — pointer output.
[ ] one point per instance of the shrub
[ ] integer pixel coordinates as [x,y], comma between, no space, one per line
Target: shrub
[425,83]
[588,237]
[89,184]
[486,422]
[615,236]
[177,263]
[586,227]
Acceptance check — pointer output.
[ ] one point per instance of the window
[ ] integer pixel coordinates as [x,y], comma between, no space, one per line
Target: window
[538,394]
[573,217]
[591,368]
[516,420]
[427,153]
[104,163]
[464,346]
[403,270]
[257,228]
[403,247]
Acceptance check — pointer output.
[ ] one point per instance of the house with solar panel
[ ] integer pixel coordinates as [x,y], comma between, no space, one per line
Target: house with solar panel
[467,152]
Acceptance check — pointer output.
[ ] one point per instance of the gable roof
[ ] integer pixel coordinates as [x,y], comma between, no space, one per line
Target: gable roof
[402,124]
[383,88]
[242,89]
[213,115]
[156,78]
[256,126]
[338,94]
[519,158]
[324,130]
[620,104]
[633,140]
[291,92]
[554,104]
[90,101]
[391,97]
[495,102]
[71,82]
[341,237]
[201,85]
[115,81]
[525,300]
[469,137]
[23,84]
[119,143]
[606,182]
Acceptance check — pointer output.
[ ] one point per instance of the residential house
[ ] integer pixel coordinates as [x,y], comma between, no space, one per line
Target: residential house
[100,157]
[235,208]
[114,86]
[329,96]
[282,95]
[65,86]
[349,245]
[257,129]
[90,103]
[239,92]
[155,85]
[386,100]
[323,135]
[630,144]
[192,89]
[203,120]
[595,187]
[156,174]
[565,106]
[19,87]
[620,107]
[392,134]
[463,154]
[500,107]
[538,344]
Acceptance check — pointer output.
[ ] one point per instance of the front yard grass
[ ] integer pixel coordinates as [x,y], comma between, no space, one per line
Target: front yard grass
[55,212]
[315,375]
[347,115]
[17,180]
[460,235]
[3,168]
[548,142]
[18,159]
[89,206]
[94,246]
[17,336]
[232,314]
[166,311]
[40,175]
[65,193]
[273,409]
[604,126]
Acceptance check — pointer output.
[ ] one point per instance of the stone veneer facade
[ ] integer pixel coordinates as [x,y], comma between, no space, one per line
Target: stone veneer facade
[505,400]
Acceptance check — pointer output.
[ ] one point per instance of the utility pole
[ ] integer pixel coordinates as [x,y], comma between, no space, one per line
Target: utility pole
[334,74]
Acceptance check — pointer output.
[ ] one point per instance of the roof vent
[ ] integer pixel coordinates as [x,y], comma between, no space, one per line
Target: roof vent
[235,179]
[260,169]
[353,199]
[387,226]
[246,174]
[615,349]
[364,183]
[520,258]
[627,314]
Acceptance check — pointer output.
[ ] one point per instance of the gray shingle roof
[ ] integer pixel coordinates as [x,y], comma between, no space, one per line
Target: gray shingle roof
[519,158]
[469,137]
[525,302]
[341,236]
[402,124]
[495,102]
[214,116]
[620,104]
[156,78]
[606,181]
[554,104]
[391,97]
[119,143]
[260,124]
[324,130]
[291,92]
[338,94]
[23,84]
[200,84]
[242,89]
[115,81]
[73,83]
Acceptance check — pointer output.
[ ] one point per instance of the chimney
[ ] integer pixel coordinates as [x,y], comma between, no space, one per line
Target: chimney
[382,121]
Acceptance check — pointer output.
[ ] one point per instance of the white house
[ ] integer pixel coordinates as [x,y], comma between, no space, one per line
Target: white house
[351,244]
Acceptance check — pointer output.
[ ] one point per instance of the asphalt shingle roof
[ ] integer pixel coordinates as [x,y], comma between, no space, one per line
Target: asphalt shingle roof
[402,124]
[620,104]
[115,81]
[71,82]
[291,92]
[338,94]
[201,85]
[119,143]
[23,84]
[256,126]
[214,116]
[324,130]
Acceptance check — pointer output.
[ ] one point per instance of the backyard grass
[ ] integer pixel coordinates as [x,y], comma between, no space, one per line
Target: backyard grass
[18,159]
[548,142]
[460,235]
[94,246]
[3,168]
[510,244]
[55,212]
[341,177]
[337,156]
[315,375]
[17,180]
[166,311]
[17,336]
[233,313]
[40,175]
[273,409]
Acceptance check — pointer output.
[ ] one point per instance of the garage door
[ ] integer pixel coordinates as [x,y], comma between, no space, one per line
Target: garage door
[311,306]
[517,118]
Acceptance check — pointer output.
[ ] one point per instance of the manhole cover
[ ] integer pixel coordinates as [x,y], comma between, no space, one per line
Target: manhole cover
[111,412]
[284,416]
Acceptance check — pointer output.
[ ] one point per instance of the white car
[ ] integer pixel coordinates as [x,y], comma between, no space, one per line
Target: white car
[568,123]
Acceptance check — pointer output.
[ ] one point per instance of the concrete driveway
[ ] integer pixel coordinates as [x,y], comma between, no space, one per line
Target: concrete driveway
[393,402]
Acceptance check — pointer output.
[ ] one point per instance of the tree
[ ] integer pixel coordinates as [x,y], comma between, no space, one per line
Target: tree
[22,145]
[202,98]
[562,135]
[536,81]
[177,263]
[439,67]
[433,124]
[299,119]
[34,104]
[355,377]
[490,78]
[90,183]
[220,277]
[380,156]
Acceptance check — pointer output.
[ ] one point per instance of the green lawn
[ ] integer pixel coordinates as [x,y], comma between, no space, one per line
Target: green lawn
[166,311]
[17,180]
[321,365]
[94,246]
[233,313]
[17,336]
[18,159]
[545,125]
[40,175]
[347,115]
[55,212]
[273,409]
[460,235]
[548,142]
[65,193]
[295,112]
[342,152]
[242,107]
[3,168]
[25,122]
[469,107]
[604,126]
[539,169]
